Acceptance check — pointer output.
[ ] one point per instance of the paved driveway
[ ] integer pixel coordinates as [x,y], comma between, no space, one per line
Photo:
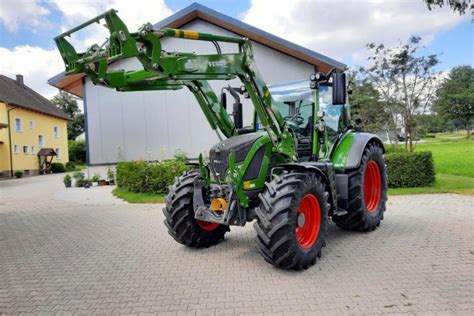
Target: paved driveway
[59,254]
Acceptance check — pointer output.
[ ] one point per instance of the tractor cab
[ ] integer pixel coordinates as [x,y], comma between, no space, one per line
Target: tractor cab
[295,101]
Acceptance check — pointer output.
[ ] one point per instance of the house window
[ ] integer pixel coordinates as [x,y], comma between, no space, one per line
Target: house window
[33,150]
[56,132]
[32,124]
[58,153]
[16,150]
[18,125]
[25,150]
[40,141]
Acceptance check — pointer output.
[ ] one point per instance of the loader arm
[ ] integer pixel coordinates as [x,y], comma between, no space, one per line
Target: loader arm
[172,70]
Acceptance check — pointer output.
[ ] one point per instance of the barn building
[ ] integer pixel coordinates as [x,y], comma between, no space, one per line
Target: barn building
[153,125]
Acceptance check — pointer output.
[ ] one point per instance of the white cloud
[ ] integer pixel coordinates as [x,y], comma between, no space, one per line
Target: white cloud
[340,29]
[133,13]
[36,65]
[20,13]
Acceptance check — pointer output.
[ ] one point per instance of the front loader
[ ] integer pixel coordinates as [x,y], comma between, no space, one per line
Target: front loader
[299,163]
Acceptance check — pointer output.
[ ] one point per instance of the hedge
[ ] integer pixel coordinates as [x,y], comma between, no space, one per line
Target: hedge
[70,166]
[146,177]
[407,170]
[57,167]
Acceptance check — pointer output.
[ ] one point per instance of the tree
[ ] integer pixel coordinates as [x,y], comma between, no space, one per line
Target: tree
[77,151]
[76,127]
[68,104]
[455,97]
[432,123]
[456,5]
[367,106]
[406,81]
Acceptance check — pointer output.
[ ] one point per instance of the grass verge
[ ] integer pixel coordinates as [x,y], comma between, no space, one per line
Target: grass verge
[445,183]
[80,167]
[132,197]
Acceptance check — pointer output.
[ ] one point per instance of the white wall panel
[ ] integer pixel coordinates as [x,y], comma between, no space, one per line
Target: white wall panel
[154,124]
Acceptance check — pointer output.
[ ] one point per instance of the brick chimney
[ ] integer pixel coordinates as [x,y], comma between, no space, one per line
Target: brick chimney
[19,81]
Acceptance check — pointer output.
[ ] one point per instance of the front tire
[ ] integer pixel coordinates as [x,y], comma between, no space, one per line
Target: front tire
[179,213]
[367,192]
[292,220]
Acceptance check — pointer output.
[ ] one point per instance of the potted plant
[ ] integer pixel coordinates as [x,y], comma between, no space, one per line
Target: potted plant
[87,183]
[18,174]
[67,181]
[95,180]
[111,176]
[79,177]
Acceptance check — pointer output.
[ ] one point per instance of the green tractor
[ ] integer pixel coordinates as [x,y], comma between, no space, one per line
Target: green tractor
[299,163]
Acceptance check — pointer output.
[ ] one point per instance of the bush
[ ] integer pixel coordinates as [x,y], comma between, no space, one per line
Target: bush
[19,174]
[144,177]
[70,166]
[77,151]
[407,170]
[57,167]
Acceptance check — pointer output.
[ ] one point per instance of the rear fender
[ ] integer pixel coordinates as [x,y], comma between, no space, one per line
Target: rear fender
[348,151]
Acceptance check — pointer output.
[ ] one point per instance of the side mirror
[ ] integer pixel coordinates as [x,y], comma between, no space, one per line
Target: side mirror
[339,88]
[224,100]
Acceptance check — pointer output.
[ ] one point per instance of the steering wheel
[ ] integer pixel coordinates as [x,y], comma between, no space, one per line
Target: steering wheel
[297,119]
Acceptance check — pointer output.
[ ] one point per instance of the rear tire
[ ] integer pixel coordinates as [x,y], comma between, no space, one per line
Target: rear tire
[285,238]
[179,213]
[367,192]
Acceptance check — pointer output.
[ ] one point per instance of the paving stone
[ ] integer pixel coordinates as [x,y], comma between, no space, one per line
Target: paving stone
[62,257]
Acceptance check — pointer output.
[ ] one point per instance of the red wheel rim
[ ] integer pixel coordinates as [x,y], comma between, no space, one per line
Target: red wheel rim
[372,186]
[207,226]
[308,221]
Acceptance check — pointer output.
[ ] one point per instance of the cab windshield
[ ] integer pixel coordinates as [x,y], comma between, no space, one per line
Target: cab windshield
[295,101]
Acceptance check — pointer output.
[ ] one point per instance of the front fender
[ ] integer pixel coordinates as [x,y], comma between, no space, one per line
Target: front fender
[348,151]
[324,169]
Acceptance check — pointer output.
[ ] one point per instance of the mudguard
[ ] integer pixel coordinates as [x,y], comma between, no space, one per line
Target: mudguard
[348,151]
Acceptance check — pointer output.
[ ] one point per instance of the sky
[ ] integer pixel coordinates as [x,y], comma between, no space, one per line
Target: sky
[339,29]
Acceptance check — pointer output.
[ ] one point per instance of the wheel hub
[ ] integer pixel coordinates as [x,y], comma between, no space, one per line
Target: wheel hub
[300,220]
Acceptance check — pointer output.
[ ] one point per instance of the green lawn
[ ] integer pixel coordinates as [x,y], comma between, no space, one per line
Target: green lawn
[453,157]
[132,197]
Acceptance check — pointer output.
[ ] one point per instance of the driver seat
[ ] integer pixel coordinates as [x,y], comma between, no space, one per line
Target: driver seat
[303,146]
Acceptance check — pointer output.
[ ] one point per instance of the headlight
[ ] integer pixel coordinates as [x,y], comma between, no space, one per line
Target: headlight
[205,157]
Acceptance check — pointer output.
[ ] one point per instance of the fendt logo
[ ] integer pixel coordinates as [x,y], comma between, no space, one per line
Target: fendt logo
[219,63]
